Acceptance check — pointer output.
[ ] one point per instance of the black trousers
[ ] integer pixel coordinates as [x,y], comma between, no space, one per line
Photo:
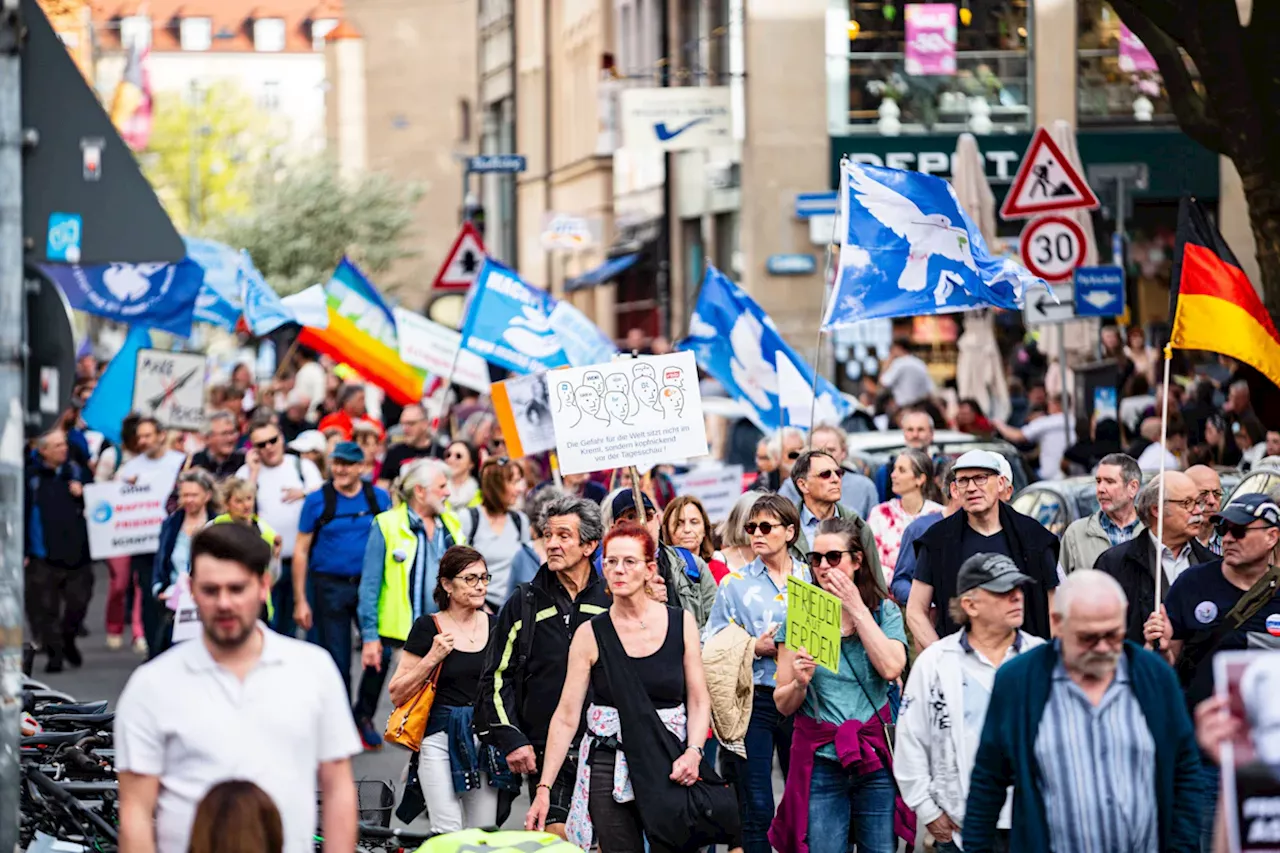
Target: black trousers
[57,599]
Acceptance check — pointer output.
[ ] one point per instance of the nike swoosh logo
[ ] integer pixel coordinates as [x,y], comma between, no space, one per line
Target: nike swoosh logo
[666,134]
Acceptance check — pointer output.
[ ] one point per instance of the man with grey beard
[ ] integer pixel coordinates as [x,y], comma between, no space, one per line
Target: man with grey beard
[1090,732]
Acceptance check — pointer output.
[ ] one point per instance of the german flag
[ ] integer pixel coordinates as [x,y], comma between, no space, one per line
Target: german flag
[1213,305]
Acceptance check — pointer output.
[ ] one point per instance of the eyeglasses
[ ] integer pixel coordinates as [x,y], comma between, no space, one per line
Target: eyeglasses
[764,527]
[833,558]
[978,480]
[1188,504]
[1236,531]
[1112,638]
[628,563]
[823,475]
[267,442]
[1204,496]
[474,581]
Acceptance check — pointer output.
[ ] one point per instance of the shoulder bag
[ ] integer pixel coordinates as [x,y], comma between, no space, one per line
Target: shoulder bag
[1204,643]
[407,725]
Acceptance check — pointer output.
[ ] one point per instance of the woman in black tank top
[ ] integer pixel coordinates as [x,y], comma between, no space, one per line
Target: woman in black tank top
[660,650]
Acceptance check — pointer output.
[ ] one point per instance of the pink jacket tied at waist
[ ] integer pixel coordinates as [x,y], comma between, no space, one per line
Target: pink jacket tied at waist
[861,748]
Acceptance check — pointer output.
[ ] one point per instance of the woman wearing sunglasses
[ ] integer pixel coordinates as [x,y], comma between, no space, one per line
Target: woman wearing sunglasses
[755,598]
[460,778]
[833,789]
[917,494]
[463,462]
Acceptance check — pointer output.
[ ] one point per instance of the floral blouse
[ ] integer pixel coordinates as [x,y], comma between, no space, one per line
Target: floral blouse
[888,521]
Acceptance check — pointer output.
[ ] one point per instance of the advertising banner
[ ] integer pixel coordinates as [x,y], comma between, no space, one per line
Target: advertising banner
[931,39]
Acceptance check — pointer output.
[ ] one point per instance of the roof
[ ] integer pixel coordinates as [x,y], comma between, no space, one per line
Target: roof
[232,21]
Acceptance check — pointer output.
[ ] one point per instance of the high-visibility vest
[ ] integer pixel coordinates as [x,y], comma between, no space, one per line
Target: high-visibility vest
[395,612]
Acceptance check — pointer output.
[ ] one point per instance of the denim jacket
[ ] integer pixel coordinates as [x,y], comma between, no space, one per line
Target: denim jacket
[466,760]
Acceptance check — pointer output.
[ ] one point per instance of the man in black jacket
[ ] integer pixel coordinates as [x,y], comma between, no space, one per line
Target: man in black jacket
[1134,565]
[527,664]
[986,525]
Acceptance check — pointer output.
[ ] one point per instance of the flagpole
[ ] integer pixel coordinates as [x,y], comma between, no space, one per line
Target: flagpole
[1164,437]
[826,278]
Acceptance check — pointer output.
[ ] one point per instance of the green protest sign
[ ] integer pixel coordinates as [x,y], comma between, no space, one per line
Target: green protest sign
[813,622]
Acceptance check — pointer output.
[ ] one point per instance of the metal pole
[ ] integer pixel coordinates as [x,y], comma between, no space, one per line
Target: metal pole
[1164,457]
[466,189]
[12,418]
[1062,375]
[826,275]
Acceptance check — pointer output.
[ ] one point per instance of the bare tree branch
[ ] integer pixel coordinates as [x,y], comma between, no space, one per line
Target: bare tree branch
[1194,115]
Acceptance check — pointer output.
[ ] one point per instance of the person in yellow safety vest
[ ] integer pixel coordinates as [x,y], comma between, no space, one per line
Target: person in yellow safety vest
[239,497]
[401,563]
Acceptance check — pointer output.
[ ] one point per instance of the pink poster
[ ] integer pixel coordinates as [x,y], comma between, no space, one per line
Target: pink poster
[931,39]
[1134,55]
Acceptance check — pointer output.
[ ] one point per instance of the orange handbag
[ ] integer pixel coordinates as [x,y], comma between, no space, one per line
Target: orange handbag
[407,725]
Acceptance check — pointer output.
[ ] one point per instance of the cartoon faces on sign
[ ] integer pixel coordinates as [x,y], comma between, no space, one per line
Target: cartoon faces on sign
[590,402]
[566,402]
[593,379]
[646,391]
[618,407]
[672,400]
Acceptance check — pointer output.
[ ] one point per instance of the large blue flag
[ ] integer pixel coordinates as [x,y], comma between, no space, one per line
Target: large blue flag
[219,301]
[158,296]
[735,341]
[110,402]
[909,248]
[264,310]
[509,323]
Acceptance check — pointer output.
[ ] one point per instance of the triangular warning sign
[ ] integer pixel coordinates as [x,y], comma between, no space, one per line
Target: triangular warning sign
[1046,182]
[463,262]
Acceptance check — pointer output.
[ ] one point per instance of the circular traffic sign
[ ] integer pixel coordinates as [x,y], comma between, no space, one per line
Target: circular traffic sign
[1052,247]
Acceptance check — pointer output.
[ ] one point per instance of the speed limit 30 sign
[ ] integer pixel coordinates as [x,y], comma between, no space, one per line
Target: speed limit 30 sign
[1052,247]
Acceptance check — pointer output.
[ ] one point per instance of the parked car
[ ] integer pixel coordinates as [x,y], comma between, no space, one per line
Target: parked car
[871,450]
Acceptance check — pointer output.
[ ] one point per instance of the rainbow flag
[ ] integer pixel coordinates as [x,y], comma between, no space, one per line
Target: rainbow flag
[362,334]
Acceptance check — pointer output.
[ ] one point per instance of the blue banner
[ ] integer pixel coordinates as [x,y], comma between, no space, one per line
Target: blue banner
[157,296]
[909,248]
[219,301]
[111,400]
[735,341]
[509,323]
[582,340]
[264,312]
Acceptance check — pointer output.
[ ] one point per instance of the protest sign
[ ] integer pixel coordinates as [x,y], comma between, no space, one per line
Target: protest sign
[169,386]
[524,413]
[427,344]
[638,412]
[186,618]
[1251,760]
[813,622]
[718,488]
[125,519]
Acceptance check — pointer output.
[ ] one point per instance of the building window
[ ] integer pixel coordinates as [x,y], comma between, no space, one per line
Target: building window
[135,31]
[464,120]
[1118,82]
[269,99]
[268,35]
[966,66]
[196,33]
[320,28]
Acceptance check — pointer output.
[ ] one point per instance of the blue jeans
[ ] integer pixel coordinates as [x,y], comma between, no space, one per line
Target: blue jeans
[838,798]
[334,614]
[768,733]
[1210,782]
[282,599]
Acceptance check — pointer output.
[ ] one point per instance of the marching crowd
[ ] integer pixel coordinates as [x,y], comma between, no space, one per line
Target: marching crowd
[998,688]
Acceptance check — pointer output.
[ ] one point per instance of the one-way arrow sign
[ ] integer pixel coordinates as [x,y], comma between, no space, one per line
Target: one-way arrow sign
[1040,307]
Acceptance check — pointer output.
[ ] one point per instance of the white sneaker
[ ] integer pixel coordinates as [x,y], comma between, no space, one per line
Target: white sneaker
[115,642]
[140,646]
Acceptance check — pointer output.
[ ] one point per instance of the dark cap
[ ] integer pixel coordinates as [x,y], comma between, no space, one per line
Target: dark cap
[1246,509]
[347,451]
[626,501]
[992,572]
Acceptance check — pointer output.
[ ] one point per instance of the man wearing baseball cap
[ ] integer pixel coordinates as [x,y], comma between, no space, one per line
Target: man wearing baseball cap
[985,525]
[1227,604]
[957,673]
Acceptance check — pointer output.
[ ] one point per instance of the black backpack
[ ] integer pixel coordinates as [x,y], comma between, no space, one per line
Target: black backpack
[474,514]
[330,510]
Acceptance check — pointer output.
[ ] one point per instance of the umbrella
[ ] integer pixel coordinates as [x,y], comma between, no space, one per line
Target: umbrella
[969,180]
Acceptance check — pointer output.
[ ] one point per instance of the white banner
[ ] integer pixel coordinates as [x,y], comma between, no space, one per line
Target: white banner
[427,344]
[169,386]
[718,488]
[125,519]
[677,118]
[642,411]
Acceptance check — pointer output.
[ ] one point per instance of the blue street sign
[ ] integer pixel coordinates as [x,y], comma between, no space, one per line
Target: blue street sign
[791,264]
[1099,291]
[497,163]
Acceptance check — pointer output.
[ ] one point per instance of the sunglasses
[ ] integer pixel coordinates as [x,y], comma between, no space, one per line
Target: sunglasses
[1237,531]
[824,475]
[1112,638]
[833,558]
[764,527]
[793,455]
[265,443]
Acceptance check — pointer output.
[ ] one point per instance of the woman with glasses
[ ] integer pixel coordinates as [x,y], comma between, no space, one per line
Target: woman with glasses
[917,493]
[460,778]
[832,788]
[463,464]
[496,528]
[755,598]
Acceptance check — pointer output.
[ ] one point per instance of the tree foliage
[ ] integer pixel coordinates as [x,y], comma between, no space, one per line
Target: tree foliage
[302,219]
[1234,107]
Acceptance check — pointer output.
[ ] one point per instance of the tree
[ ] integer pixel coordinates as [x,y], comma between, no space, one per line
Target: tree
[206,146]
[302,219]
[1234,109]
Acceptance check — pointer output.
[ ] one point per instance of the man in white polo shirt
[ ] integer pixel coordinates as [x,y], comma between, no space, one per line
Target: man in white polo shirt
[241,702]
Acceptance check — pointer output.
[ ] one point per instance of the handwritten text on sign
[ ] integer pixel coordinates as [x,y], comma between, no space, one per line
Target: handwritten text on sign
[813,622]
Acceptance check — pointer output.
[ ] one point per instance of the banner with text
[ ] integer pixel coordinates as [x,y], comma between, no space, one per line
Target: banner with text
[642,411]
[169,386]
[433,347]
[718,488]
[125,519]
[813,622]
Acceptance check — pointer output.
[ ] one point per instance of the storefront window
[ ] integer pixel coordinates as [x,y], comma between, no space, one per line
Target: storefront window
[1118,81]
[908,68]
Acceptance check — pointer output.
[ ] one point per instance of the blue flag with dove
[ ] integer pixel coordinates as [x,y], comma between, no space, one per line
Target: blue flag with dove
[734,340]
[908,247]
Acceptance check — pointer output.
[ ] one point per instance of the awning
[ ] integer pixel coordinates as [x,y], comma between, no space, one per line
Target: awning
[607,271]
